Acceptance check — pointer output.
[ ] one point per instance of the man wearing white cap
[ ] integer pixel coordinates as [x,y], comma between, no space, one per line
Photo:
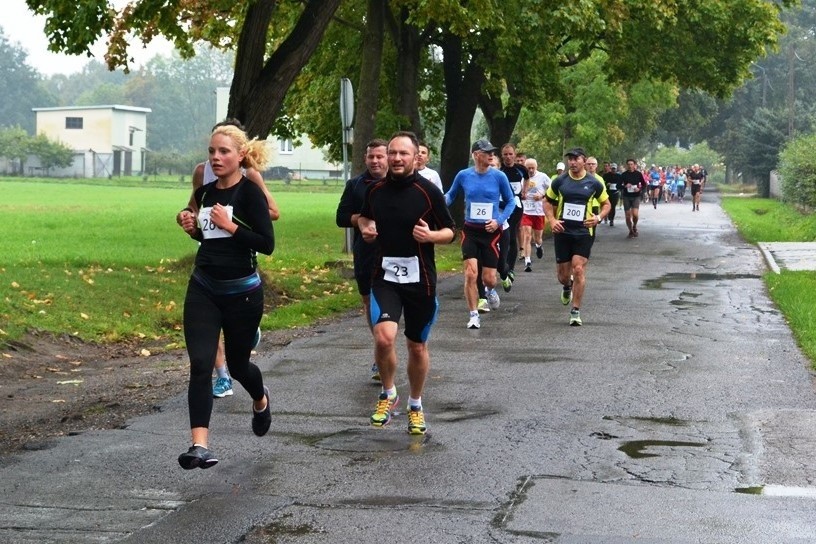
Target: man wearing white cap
[483,187]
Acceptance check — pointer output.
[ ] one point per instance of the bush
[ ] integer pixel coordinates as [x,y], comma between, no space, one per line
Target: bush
[797,168]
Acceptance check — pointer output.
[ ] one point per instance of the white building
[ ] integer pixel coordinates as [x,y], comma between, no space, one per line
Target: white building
[303,161]
[107,140]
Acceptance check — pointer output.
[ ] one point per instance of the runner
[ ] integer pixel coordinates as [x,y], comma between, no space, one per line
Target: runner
[613,184]
[348,212]
[569,212]
[406,214]
[483,188]
[204,175]
[681,184]
[225,290]
[633,185]
[697,178]
[517,176]
[423,157]
[532,222]
[654,185]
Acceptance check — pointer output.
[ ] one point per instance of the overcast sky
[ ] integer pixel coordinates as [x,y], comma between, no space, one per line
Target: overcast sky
[22,27]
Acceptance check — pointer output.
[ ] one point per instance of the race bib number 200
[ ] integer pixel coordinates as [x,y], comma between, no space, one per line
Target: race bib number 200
[401,269]
[573,212]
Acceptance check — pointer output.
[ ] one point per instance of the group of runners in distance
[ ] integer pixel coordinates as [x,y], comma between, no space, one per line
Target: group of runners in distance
[399,211]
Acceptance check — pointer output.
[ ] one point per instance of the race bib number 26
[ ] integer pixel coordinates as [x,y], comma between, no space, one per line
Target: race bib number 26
[481,211]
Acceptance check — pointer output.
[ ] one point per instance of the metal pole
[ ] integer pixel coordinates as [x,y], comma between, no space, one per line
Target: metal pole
[347,120]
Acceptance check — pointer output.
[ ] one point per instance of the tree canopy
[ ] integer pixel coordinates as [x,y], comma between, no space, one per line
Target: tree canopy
[21,87]
[272,40]
[601,70]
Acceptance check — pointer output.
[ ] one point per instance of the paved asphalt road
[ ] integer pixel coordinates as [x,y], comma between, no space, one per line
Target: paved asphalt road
[681,412]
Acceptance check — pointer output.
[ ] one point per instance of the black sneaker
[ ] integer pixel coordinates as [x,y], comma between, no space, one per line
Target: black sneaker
[197,457]
[261,421]
[528,267]
[539,251]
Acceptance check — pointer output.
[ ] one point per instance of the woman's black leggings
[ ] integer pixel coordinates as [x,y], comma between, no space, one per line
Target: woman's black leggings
[205,316]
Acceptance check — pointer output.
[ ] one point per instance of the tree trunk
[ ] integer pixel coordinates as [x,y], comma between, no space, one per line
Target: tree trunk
[409,48]
[368,87]
[462,89]
[501,121]
[258,88]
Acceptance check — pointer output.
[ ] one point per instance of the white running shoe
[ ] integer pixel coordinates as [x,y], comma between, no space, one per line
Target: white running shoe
[493,300]
[474,322]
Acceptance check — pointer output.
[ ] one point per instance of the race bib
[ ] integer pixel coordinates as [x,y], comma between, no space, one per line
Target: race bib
[632,188]
[208,229]
[613,187]
[401,269]
[530,205]
[573,212]
[481,211]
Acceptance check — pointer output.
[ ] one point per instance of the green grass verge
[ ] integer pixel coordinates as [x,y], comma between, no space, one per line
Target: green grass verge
[794,293]
[107,262]
[768,220]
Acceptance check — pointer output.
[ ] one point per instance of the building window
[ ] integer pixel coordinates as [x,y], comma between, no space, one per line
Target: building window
[73,122]
[286,146]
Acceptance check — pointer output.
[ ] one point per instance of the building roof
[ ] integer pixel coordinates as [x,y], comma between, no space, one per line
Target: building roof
[111,107]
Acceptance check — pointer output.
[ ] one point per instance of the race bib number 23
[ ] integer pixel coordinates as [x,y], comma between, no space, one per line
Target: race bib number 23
[401,269]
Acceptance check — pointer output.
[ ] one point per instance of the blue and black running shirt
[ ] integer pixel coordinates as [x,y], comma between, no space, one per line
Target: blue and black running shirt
[573,199]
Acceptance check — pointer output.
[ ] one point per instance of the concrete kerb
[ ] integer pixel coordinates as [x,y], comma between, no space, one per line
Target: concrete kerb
[769,258]
[795,256]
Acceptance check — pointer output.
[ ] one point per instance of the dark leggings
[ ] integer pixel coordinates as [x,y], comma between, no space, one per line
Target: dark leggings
[205,315]
[512,244]
[614,198]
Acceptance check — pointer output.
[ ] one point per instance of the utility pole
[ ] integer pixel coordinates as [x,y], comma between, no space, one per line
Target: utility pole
[791,88]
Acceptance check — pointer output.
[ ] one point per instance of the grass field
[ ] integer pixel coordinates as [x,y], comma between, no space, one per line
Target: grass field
[107,262]
[767,220]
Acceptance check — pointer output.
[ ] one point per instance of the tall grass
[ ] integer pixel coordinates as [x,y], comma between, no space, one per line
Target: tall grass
[107,263]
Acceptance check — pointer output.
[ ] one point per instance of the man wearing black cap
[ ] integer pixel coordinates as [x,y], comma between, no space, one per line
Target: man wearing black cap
[568,208]
[484,187]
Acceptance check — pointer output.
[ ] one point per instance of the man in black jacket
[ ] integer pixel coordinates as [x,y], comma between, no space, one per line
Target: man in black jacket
[348,212]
